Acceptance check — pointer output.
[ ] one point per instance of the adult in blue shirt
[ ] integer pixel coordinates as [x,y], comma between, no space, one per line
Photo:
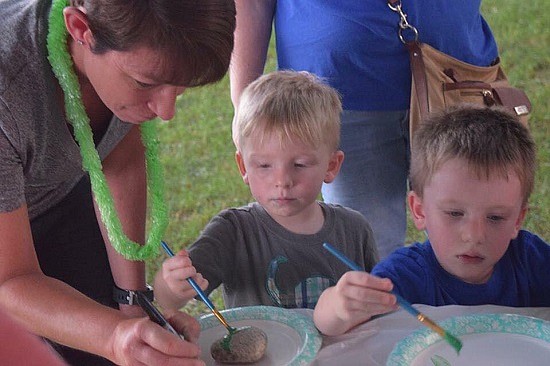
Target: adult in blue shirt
[354,46]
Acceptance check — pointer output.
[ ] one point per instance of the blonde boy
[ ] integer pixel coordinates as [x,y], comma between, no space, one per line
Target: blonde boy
[472,173]
[270,252]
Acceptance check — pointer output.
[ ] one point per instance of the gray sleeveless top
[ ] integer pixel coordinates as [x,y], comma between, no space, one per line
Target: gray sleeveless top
[39,160]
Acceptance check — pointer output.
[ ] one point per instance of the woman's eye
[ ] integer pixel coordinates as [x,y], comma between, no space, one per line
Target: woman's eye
[143,85]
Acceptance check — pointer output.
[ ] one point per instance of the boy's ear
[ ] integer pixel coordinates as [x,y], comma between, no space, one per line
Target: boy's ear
[520,219]
[77,24]
[334,165]
[242,168]
[417,210]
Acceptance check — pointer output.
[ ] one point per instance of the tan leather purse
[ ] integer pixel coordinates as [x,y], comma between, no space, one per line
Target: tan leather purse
[440,81]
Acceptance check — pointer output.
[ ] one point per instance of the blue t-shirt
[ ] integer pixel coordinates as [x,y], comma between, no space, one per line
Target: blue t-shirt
[520,278]
[354,45]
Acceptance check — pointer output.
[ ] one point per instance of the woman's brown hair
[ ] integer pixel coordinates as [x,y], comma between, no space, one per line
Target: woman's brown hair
[194,38]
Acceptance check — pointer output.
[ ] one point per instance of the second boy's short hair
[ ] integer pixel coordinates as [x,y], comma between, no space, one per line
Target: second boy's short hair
[292,105]
[491,140]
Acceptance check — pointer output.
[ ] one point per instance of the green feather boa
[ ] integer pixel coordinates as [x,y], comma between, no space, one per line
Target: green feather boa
[62,66]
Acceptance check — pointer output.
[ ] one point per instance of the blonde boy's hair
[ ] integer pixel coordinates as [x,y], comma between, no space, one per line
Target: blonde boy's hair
[292,105]
[491,140]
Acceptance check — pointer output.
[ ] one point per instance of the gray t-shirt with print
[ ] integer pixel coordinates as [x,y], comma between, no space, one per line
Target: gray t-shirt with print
[39,160]
[258,262]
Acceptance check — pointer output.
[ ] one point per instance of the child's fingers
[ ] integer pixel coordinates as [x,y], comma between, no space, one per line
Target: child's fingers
[179,260]
[176,262]
[176,270]
[367,297]
[365,289]
[177,281]
[366,307]
[184,290]
[183,252]
[201,281]
[367,280]
[181,273]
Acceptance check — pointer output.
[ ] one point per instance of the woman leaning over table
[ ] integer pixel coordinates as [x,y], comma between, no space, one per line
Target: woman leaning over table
[129,60]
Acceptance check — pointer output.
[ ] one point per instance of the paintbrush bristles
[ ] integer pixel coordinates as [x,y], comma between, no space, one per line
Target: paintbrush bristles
[452,340]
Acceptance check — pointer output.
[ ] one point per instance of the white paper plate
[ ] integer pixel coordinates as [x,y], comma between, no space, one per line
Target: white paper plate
[292,338]
[488,339]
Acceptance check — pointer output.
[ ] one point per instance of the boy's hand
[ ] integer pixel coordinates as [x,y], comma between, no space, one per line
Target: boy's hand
[356,298]
[176,270]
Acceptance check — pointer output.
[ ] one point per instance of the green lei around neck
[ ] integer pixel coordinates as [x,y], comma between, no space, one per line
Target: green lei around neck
[62,66]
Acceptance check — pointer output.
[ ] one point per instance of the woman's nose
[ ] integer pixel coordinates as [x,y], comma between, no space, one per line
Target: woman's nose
[163,101]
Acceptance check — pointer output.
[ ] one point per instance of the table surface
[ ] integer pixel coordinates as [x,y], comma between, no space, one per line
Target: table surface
[371,343]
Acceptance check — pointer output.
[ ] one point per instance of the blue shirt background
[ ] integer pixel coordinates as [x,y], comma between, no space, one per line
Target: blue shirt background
[354,44]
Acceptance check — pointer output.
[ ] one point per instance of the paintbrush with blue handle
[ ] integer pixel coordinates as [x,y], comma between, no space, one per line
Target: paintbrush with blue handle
[451,339]
[201,294]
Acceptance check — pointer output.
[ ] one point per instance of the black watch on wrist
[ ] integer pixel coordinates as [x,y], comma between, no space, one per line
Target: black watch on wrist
[129,297]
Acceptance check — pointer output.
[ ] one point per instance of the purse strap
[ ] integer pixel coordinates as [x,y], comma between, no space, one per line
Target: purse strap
[412,45]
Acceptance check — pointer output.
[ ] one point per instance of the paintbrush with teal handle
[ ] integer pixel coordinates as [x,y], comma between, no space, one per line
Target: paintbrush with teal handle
[451,339]
[201,294]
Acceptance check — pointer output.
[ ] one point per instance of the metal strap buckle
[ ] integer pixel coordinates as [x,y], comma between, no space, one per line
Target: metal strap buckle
[404,24]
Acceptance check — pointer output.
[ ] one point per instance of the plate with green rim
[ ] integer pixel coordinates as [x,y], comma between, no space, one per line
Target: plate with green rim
[292,338]
[488,339]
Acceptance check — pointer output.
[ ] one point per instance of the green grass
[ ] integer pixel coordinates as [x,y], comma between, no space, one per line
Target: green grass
[198,153]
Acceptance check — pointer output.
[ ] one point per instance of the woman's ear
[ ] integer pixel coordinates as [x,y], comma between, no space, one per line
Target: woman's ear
[334,165]
[77,25]
[242,168]
[417,210]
